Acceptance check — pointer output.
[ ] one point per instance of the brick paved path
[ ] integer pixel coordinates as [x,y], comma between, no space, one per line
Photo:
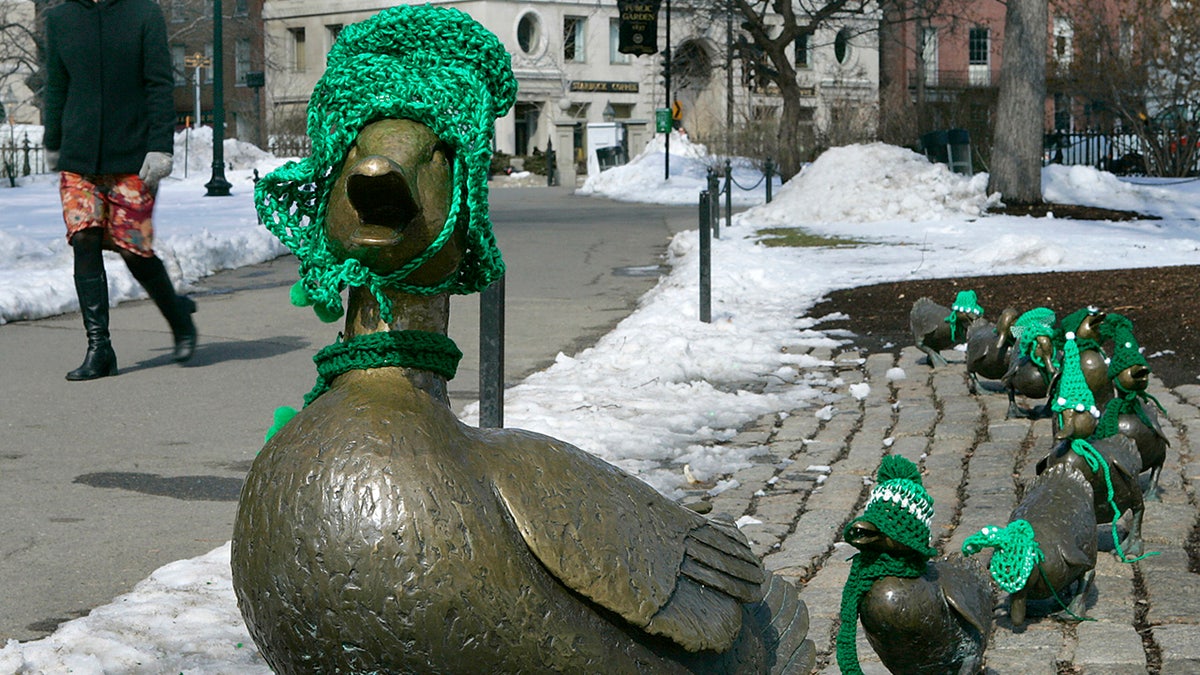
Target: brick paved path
[813,474]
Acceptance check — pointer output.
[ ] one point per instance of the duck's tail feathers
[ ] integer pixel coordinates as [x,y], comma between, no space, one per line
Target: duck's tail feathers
[785,617]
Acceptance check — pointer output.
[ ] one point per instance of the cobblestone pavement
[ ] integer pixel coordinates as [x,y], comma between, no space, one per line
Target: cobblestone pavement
[813,476]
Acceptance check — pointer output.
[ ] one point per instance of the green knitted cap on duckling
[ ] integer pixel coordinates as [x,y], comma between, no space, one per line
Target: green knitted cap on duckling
[1126,352]
[1071,323]
[968,303]
[1073,391]
[433,65]
[899,505]
[1017,552]
[1031,325]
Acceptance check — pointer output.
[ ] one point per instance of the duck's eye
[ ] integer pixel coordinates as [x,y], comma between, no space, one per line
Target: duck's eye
[443,153]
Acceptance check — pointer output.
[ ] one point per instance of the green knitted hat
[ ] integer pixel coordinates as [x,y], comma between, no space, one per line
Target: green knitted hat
[1114,324]
[966,302]
[899,505]
[1071,324]
[1031,325]
[433,65]
[1017,552]
[1073,391]
[1126,352]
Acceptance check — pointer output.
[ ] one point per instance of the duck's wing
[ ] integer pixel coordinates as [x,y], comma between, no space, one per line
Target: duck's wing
[618,542]
[967,590]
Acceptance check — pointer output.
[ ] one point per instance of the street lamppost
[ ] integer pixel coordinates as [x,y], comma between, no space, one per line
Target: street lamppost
[199,62]
[217,185]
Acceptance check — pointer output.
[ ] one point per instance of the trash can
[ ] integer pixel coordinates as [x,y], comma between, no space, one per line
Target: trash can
[958,142]
[935,146]
[609,157]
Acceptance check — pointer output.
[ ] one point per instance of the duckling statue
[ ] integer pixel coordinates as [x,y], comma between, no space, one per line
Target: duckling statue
[1048,549]
[988,346]
[1032,365]
[1090,325]
[936,327]
[920,616]
[1134,411]
[1110,464]
[375,532]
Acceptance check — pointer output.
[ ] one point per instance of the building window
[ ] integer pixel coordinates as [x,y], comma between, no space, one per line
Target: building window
[178,10]
[1125,40]
[178,56]
[802,47]
[529,33]
[1063,37]
[574,29]
[299,57]
[241,61]
[614,43]
[332,31]
[841,46]
[929,54]
[208,58]
[979,57]
[241,7]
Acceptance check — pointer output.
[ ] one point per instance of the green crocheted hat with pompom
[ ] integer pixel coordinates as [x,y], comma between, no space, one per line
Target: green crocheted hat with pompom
[1071,323]
[433,65]
[1073,391]
[899,506]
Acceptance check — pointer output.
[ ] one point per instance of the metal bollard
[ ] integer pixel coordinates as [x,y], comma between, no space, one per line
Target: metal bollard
[491,356]
[768,171]
[714,188]
[728,193]
[706,204]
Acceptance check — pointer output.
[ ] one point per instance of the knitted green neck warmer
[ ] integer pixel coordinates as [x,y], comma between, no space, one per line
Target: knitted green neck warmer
[866,568]
[1029,327]
[415,349]
[433,65]
[1126,402]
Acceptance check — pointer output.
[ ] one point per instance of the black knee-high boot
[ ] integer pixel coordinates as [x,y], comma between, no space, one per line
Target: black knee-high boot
[176,309]
[100,360]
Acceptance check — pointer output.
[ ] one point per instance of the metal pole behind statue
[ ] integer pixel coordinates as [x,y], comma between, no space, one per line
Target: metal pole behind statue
[491,356]
[217,185]
[706,205]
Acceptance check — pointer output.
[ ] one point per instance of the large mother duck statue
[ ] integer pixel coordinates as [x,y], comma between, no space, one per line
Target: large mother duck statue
[376,533]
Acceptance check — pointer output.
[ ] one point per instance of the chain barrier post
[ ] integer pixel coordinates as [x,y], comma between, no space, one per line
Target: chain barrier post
[728,193]
[714,188]
[706,199]
[768,171]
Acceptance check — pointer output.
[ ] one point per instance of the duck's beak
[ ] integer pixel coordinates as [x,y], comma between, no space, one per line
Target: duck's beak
[383,199]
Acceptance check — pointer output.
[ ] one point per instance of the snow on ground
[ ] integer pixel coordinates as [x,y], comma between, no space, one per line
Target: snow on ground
[662,387]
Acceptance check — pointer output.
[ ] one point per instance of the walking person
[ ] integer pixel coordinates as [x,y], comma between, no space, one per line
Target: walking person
[110,123]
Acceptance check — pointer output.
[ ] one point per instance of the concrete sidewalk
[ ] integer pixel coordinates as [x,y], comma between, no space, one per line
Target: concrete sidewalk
[812,478]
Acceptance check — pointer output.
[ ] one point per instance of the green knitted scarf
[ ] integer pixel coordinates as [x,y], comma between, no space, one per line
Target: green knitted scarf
[433,65]
[416,349]
[867,567]
[1126,402]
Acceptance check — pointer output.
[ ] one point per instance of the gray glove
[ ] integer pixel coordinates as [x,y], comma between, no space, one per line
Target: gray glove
[52,160]
[155,167]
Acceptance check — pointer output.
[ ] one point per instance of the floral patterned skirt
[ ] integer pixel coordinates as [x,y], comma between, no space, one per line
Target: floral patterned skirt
[118,203]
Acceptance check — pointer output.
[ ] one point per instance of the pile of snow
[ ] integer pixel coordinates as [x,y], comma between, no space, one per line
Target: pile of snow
[642,179]
[874,182]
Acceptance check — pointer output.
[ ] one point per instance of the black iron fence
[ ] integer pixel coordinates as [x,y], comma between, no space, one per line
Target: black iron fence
[1161,153]
[19,157]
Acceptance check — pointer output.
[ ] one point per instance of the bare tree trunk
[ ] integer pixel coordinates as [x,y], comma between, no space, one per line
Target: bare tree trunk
[1016,171]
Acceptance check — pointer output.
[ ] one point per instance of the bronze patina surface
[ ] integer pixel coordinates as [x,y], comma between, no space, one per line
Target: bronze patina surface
[988,346]
[932,332]
[378,533]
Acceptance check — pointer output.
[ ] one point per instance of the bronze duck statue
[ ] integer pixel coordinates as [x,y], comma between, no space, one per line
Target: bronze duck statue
[1091,326]
[1032,365]
[1111,464]
[921,616]
[1133,412]
[378,533]
[936,327]
[988,347]
[1048,549]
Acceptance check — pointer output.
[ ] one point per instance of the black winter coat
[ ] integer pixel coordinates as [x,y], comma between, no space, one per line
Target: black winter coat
[109,85]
